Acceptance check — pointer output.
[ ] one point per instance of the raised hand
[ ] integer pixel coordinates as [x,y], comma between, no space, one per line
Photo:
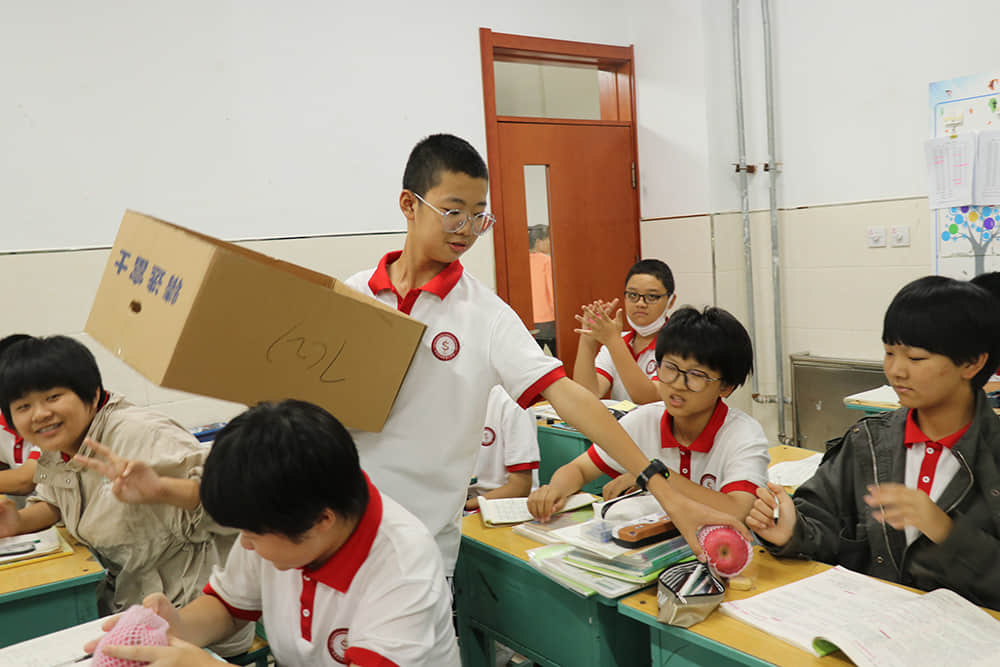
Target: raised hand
[131,481]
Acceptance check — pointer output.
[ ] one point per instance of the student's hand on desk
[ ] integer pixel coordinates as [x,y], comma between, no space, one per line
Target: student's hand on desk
[619,486]
[600,324]
[9,517]
[545,501]
[178,653]
[761,516]
[900,506]
[132,481]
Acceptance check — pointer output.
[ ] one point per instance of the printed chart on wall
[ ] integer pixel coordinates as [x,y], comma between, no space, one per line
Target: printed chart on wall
[963,168]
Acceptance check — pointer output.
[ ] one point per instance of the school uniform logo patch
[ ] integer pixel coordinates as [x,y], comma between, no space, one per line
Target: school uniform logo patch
[651,367]
[489,436]
[337,645]
[445,346]
[708,481]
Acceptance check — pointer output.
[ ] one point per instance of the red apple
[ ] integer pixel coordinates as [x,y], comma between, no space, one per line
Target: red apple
[728,552]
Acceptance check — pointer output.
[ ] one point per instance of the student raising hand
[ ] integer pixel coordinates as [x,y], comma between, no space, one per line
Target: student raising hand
[761,518]
[601,321]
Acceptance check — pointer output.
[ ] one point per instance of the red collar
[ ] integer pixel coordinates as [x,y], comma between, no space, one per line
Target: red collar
[913,435]
[630,336]
[18,440]
[338,572]
[440,285]
[703,442]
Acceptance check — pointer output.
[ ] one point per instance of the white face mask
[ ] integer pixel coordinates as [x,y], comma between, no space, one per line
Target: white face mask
[652,327]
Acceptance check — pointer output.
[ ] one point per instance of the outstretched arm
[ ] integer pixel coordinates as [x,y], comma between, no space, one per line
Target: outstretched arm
[582,410]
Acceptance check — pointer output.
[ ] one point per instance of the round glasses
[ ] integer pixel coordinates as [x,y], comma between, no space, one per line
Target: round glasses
[453,220]
[694,380]
[650,299]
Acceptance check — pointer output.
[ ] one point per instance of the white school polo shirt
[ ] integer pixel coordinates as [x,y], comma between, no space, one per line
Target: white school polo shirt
[381,600]
[510,443]
[14,451]
[425,454]
[930,465]
[730,454]
[646,359]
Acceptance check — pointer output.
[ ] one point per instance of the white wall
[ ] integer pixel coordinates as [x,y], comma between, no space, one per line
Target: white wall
[851,80]
[244,119]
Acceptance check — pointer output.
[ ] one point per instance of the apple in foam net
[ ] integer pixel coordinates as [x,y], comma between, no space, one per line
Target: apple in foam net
[728,552]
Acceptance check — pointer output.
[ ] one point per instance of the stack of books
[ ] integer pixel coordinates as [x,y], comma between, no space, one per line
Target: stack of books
[583,562]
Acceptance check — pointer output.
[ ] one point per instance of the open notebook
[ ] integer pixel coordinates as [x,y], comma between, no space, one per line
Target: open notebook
[21,548]
[500,511]
[872,622]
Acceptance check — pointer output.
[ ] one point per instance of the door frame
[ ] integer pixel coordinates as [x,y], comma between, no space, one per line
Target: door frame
[616,79]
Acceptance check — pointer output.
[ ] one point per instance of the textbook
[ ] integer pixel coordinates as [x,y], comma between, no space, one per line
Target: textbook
[549,561]
[872,622]
[653,561]
[500,511]
[543,532]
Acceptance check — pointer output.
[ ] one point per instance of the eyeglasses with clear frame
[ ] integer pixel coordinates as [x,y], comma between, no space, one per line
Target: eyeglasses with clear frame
[650,299]
[453,220]
[694,380]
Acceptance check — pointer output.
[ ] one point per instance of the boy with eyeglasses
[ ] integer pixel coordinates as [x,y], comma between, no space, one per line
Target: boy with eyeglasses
[717,454]
[624,363]
[425,454]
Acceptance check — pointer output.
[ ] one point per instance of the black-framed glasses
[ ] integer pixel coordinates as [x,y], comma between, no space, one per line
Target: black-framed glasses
[694,380]
[453,220]
[650,299]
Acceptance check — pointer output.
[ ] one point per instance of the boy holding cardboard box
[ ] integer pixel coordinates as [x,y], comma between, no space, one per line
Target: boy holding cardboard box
[424,455]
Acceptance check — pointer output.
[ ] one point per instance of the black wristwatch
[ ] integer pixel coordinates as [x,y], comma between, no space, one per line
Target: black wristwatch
[655,467]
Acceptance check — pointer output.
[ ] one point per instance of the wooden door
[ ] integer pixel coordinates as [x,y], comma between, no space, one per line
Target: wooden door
[592,215]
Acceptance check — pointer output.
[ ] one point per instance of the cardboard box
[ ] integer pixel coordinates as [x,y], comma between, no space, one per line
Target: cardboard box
[194,313]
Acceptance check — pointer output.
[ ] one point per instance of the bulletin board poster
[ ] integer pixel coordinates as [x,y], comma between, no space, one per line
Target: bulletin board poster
[965,237]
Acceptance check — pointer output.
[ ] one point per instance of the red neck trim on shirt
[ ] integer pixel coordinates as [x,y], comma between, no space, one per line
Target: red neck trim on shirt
[440,285]
[338,572]
[913,435]
[703,442]
[18,440]
[630,336]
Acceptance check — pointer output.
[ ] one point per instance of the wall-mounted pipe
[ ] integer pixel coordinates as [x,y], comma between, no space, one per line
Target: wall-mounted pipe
[773,171]
[741,169]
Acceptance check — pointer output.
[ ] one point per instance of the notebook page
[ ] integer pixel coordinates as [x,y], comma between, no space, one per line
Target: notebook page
[804,609]
[939,628]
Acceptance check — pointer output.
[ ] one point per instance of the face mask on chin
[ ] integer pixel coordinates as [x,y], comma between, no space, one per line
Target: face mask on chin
[652,327]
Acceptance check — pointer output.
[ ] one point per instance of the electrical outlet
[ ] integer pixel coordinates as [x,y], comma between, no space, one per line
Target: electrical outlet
[876,237]
[899,236]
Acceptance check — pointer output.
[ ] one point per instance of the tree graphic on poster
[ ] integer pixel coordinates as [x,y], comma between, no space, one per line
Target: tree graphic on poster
[977,225]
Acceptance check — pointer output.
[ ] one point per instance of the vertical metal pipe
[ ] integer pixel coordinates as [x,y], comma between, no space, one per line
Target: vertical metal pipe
[773,195]
[741,167]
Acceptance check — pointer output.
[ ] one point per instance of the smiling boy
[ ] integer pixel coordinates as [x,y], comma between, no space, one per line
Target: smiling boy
[425,454]
[122,478]
[912,496]
[717,454]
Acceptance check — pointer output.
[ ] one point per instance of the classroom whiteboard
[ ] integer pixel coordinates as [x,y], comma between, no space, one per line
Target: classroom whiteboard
[242,120]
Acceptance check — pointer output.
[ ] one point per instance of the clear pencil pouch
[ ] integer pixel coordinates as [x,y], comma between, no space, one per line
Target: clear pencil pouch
[687,593]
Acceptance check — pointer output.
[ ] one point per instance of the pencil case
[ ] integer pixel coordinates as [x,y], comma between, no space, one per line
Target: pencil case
[687,593]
